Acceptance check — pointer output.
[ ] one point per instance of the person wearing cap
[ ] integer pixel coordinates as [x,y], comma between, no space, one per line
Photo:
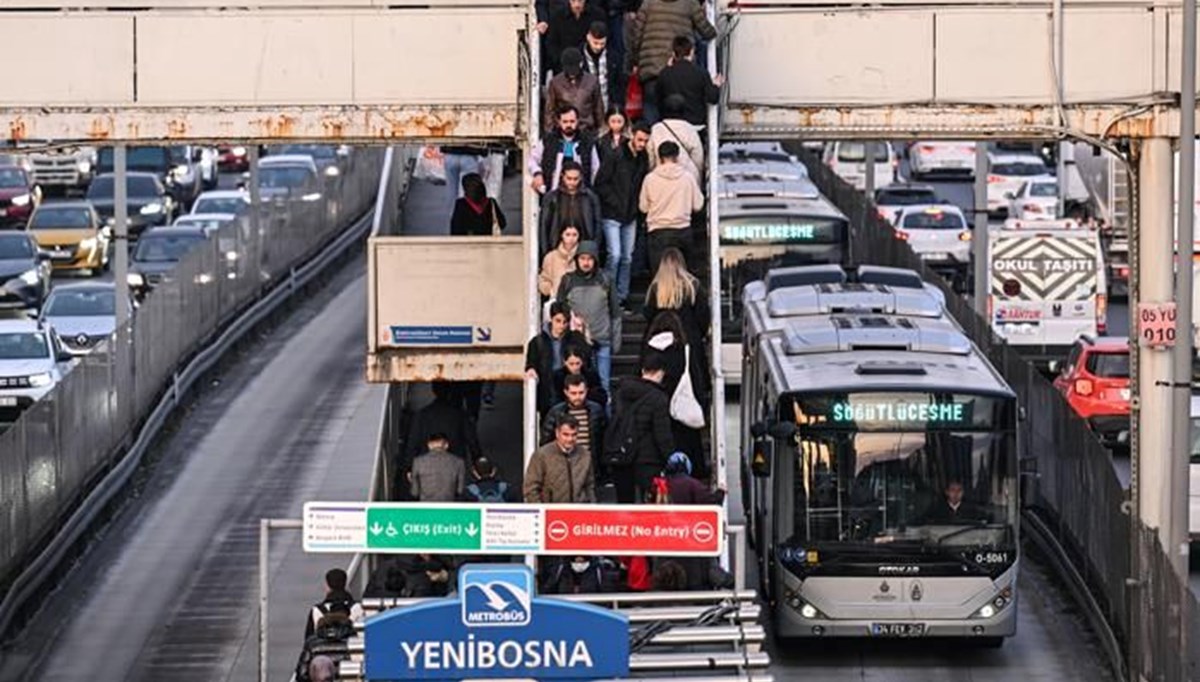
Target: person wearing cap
[589,293]
[438,475]
[576,87]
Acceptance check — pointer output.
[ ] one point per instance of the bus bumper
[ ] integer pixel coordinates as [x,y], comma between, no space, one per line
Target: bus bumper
[792,624]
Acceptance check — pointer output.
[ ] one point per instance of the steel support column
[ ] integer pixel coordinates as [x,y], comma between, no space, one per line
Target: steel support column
[1155,247]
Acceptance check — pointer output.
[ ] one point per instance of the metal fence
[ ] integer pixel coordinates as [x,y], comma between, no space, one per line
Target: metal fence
[62,444]
[1075,491]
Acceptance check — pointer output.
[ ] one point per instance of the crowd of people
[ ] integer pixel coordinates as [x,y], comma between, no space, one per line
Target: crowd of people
[619,169]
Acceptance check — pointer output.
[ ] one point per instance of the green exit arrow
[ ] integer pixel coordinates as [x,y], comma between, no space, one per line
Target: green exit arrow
[419,529]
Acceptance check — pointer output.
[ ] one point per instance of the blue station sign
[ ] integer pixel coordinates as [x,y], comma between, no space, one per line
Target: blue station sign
[496,628]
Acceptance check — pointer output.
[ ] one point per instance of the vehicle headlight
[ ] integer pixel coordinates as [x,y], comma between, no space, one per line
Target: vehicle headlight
[31,276]
[151,209]
[88,244]
[180,170]
[231,255]
[135,279]
[40,380]
[332,171]
[84,166]
[239,151]
[1004,598]
[315,196]
[21,200]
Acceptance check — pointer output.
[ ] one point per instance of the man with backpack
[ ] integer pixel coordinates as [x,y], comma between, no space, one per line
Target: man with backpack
[639,439]
[330,624]
[486,486]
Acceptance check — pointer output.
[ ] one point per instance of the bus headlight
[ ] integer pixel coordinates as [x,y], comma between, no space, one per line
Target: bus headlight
[802,607]
[1003,599]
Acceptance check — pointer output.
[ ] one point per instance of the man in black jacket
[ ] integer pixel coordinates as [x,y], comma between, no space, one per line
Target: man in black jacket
[546,353]
[588,413]
[565,142]
[445,415]
[619,184]
[599,60]
[650,406]
[573,203]
[569,23]
[683,77]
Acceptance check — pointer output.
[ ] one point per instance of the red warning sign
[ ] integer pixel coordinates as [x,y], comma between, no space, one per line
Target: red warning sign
[658,530]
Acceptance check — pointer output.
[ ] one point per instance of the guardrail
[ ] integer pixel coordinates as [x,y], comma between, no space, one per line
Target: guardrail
[1073,503]
[68,456]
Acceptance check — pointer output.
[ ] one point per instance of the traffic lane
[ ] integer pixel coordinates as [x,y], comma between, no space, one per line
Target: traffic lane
[170,592]
[1051,643]
[1118,318]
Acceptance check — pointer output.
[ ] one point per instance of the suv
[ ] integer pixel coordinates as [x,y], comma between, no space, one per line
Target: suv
[32,361]
[1095,381]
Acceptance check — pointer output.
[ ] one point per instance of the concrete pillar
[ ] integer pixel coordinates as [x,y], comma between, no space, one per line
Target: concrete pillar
[1155,282]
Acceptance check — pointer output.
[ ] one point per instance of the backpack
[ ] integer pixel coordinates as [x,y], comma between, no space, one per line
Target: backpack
[331,638]
[620,446]
[488,491]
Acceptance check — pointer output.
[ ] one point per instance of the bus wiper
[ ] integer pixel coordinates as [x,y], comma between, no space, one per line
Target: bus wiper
[982,525]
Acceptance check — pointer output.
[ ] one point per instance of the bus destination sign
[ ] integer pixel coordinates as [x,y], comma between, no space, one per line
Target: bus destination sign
[776,233]
[939,414]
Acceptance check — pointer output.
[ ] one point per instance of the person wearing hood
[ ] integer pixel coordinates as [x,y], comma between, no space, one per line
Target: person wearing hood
[547,351]
[573,203]
[657,24]
[675,128]
[646,402]
[576,87]
[589,293]
[618,183]
[669,197]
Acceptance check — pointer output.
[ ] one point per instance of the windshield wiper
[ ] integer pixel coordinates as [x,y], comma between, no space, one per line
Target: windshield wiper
[983,525]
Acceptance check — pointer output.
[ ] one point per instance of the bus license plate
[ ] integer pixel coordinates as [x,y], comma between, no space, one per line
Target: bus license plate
[897,629]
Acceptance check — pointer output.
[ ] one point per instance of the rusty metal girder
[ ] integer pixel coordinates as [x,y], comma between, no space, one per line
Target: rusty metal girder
[945,120]
[363,124]
[452,364]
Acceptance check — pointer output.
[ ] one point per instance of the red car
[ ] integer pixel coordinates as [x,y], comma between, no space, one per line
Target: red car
[233,158]
[18,196]
[1095,381]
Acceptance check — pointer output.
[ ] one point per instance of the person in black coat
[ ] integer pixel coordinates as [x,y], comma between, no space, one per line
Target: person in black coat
[475,212]
[568,27]
[546,352]
[619,184]
[649,406]
[444,415]
[573,203]
[578,360]
[674,289]
[683,77]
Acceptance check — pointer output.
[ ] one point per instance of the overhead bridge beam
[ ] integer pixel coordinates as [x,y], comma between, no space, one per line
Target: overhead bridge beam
[199,124]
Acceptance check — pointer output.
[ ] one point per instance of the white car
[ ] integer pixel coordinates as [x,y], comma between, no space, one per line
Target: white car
[925,158]
[209,222]
[937,233]
[891,199]
[32,361]
[1035,199]
[235,201]
[1006,172]
[847,159]
[84,315]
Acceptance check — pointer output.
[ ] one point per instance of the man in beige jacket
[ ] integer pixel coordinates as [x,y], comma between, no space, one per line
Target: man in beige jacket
[560,471]
[670,195]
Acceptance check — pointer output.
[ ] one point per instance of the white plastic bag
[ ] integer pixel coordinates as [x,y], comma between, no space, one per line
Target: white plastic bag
[431,166]
[685,409]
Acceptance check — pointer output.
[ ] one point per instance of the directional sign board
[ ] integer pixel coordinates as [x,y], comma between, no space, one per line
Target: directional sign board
[413,528]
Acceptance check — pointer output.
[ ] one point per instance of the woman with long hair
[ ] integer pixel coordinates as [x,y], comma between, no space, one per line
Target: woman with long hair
[615,134]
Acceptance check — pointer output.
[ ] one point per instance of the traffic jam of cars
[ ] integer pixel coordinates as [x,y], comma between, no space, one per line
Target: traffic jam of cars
[58,301]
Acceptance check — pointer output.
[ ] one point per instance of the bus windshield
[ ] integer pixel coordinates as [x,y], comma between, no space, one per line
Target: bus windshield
[917,469]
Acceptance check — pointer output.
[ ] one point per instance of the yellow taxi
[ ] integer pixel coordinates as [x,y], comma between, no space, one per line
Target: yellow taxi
[73,234]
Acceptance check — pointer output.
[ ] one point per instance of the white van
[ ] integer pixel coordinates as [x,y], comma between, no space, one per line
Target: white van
[846,158]
[1048,286]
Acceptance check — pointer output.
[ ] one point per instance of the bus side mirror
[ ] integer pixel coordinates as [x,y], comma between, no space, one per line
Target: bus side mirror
[760,458]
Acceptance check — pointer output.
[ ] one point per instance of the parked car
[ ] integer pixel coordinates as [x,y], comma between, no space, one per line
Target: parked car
[73,235]
[19,196]
[1095,381]
[32,362]
[157,253]
[147,201]
[84,314]
[24,272]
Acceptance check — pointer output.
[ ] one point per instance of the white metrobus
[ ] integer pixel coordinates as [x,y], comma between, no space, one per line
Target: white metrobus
[882,456]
